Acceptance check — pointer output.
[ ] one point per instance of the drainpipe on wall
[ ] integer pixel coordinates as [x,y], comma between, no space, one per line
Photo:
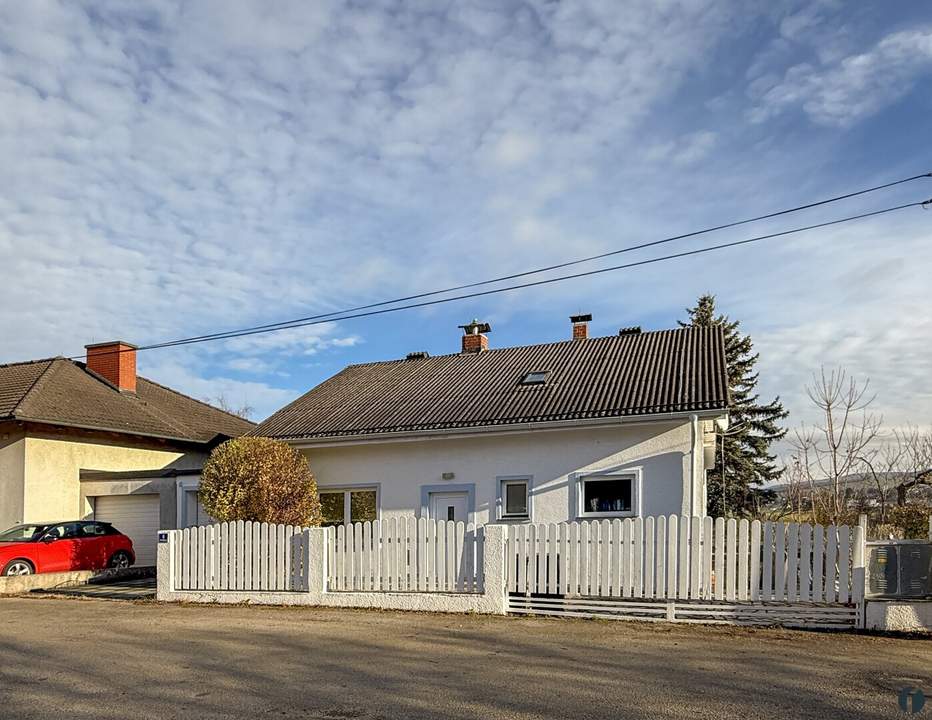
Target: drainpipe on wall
[694,458]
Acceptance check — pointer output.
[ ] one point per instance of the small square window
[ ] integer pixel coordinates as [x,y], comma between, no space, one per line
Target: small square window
[514,498]
[538,377]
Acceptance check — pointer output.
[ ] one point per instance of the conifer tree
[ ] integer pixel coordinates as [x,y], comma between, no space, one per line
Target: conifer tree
[745,447]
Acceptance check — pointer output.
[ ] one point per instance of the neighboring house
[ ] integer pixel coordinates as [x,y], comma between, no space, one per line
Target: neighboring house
[604,427]
[95,441]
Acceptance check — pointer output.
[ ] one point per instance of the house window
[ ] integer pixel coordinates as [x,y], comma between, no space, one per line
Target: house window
[514,498]
[608,495]
[351,505]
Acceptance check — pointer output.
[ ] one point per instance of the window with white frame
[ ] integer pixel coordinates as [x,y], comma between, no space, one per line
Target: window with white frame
[514,497]
[340,506]
[608,495]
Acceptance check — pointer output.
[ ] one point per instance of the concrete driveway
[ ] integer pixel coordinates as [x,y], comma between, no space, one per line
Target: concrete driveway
[143,588]
[89,658]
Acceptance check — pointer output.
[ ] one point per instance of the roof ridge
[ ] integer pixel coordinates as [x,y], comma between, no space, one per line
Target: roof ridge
[194,399]
[17,363]
[35,383]
[689,328]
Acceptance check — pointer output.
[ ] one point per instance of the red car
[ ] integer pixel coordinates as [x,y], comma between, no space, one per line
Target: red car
[61,547]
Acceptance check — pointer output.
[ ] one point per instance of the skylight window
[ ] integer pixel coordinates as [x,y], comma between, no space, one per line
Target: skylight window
[538,377]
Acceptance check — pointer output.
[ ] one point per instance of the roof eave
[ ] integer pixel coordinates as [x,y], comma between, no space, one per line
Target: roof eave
[119,431]
[510,429]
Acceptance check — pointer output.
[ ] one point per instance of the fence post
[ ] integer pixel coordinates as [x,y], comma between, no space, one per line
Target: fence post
[165,565]
[494,589]
[315,563]
[858,574]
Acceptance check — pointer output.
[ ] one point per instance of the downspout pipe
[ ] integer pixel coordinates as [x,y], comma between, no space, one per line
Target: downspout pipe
[694,464]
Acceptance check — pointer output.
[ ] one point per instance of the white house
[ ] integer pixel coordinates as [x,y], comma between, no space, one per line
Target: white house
[602,427]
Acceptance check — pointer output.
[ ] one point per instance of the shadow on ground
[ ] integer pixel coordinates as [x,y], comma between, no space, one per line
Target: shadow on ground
[106,659]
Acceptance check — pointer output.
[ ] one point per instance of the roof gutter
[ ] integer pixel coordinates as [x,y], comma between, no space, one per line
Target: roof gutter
[511,429]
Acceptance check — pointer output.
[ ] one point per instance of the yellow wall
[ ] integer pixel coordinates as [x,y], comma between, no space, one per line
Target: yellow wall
[52,472]
[12,458]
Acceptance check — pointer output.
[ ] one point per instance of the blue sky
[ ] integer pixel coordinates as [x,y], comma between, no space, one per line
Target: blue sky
[175,168]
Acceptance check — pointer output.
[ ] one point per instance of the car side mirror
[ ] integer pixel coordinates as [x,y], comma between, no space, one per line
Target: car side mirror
[48,539]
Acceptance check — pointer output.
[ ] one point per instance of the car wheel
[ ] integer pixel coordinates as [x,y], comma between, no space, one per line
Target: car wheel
[120,560]
[18,567]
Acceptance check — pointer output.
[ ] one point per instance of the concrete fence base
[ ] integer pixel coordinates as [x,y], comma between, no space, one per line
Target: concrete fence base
[911,616]
[491,600]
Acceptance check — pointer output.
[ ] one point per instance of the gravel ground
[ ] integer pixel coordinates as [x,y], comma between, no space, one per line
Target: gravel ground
[94,658]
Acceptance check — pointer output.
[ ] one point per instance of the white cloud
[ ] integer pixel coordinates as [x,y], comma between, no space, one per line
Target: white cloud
[513,149]
[198,382]
[177,169]
[844,90]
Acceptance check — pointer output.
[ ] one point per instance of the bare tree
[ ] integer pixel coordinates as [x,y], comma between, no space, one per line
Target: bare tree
[902,462]
[221,401]
[831,451]
[914,462]
[796,495]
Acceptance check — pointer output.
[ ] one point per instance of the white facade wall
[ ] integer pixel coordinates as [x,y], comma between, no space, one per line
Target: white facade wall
[666,455]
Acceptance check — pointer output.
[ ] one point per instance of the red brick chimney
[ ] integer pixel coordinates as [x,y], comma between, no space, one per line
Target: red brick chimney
[114,361]
[580,326]
[474,339]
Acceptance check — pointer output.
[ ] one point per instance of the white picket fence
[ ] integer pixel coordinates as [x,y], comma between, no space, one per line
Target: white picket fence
[241,556]
[715,569]
[405,555]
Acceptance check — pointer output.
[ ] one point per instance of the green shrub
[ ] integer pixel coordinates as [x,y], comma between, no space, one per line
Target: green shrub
[259,479]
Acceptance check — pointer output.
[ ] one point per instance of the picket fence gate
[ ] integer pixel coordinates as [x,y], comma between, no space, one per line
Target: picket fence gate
[405,555]
[246,556]
[692,569]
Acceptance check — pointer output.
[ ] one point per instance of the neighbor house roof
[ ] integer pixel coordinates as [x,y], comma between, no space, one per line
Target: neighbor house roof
[670,371]
[59,391]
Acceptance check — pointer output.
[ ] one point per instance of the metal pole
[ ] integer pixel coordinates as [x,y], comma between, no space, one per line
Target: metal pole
[724,489]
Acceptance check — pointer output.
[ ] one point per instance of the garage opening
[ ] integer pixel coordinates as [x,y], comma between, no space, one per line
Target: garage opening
[136,516]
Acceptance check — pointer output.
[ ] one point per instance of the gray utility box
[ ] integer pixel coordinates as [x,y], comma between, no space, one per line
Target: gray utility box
[899,569]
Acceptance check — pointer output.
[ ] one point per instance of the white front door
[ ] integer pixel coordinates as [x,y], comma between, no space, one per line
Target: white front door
[449,506]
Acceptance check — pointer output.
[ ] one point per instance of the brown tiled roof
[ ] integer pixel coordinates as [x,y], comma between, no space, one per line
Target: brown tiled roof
[634,374]
[59,391]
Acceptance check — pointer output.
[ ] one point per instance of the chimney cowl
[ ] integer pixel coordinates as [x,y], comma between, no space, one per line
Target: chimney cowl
[114,361]
[420,355]
[474,339]
[580,326]
[633,330]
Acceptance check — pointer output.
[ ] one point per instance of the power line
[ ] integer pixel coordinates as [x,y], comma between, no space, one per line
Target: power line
[686,253]
[333,315]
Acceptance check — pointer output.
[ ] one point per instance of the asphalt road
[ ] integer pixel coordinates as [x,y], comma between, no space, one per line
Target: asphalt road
[90,658]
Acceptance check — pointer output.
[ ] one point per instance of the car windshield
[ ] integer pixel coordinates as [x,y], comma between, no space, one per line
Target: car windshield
[22,533]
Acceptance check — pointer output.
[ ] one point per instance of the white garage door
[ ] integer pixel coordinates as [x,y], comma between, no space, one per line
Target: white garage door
[136,516]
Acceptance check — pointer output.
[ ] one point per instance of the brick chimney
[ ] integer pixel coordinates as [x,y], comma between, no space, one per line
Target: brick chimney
[115,361]
[474,339]
[580,326]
